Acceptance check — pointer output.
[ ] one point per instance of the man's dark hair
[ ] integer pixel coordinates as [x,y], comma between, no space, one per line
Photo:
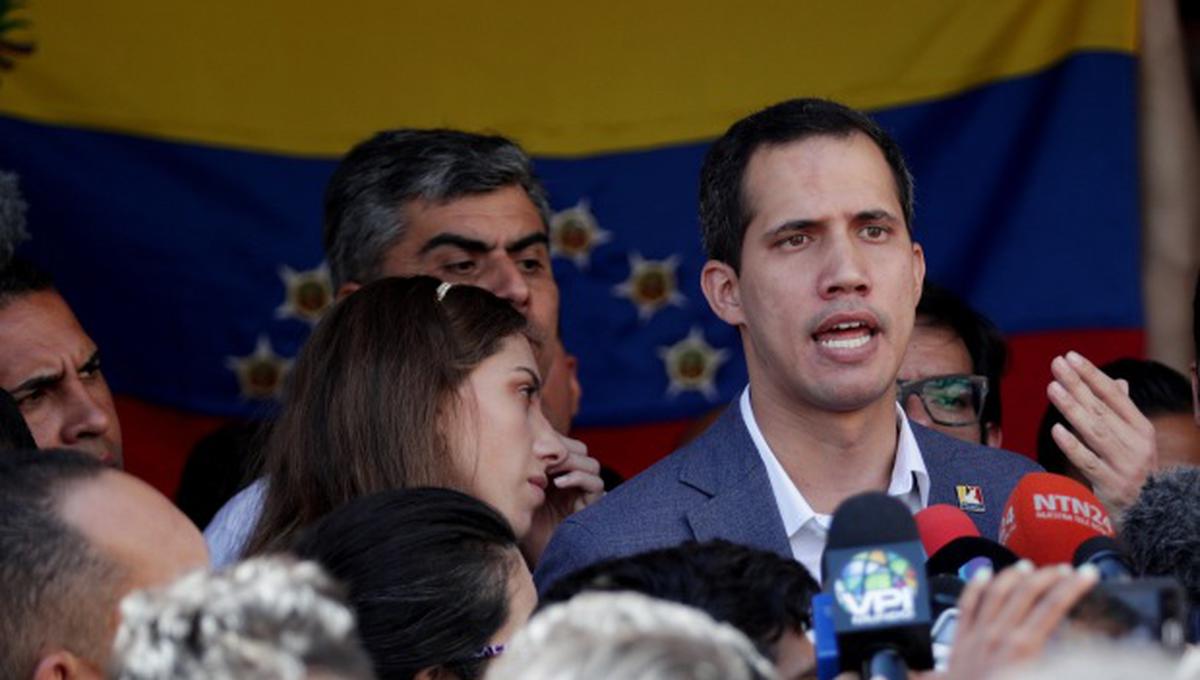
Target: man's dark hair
[724,212]
[21,277]
[1161,530]
[427,573]
[365,196]
[56,589]
[758,592]
[939,308]
[1155,388]
[14,432]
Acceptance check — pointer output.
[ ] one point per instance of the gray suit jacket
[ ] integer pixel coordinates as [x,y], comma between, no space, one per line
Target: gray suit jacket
[717,487]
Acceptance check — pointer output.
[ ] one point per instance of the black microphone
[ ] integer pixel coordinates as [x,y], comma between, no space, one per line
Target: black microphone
[874,567]
[1107,556]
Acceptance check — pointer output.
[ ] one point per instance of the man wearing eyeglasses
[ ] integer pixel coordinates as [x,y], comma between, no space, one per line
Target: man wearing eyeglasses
[949,380]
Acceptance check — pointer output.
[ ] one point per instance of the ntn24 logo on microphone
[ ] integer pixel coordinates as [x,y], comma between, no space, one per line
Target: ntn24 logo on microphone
[1072,509]
[877,587]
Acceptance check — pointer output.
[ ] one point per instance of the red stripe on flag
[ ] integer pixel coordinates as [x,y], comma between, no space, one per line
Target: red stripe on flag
[158,439]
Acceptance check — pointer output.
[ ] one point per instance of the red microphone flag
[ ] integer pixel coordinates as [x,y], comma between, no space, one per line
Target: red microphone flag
[940,524]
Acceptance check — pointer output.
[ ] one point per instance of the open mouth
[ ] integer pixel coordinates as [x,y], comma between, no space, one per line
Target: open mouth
[845,332]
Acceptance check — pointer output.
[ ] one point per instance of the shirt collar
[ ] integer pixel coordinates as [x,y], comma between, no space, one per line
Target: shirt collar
[908,469]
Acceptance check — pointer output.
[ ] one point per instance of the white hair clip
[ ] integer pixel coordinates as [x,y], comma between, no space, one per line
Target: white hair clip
[442,288]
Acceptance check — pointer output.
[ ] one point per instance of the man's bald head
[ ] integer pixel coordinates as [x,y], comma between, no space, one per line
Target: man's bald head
[75,536]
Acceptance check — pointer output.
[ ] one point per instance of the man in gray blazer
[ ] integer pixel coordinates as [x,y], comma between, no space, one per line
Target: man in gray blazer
[806,214]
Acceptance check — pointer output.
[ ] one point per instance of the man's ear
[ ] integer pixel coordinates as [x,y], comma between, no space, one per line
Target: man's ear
[63,665]
[346,289]
[722,290]
[918,269]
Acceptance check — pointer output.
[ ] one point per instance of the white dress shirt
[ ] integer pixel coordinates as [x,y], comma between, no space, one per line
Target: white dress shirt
[806,530]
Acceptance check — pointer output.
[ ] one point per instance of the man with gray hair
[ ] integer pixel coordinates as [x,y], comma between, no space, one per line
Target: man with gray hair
[464,208]
[457,206]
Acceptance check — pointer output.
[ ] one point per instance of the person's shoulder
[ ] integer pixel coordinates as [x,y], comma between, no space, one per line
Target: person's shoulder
[940,450]
[229,529]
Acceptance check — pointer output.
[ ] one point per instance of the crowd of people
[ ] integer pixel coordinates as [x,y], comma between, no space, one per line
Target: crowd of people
[420,512]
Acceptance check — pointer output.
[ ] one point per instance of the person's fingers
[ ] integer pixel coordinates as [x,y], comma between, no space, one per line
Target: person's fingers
[576,459]
[998,592]
[578,479]
[972,594]
[1066,375]
[1012,620]
[1053,607]
[1092,466]
[1124,385]
[1105,388]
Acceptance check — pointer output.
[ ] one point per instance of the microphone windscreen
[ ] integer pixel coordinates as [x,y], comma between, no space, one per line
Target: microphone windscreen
[940,524]
[1048,516]
[871,518]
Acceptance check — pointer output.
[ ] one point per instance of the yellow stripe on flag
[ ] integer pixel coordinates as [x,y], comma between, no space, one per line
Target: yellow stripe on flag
[565,78]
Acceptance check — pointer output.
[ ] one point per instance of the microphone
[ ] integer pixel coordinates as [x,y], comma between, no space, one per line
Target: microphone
[954,545]
[1107,556]
[873,567]
[1049,516]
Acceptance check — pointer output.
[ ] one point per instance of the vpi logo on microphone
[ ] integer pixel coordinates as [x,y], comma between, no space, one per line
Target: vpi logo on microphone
[877,587]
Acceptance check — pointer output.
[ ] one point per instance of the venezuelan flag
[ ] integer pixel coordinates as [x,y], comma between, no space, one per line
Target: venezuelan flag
[174,156]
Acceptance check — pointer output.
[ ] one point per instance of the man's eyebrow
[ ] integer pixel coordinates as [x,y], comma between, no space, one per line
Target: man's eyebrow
[37,382]
[793,225]
[876,215]
[526,241]
[92,363]
[470,245]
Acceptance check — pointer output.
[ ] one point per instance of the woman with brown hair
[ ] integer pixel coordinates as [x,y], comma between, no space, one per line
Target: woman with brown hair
[411,382]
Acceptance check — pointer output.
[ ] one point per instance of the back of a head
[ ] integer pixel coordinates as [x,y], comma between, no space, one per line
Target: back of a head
[1161,530]
[724,214]
[426,572]
[266,618]
[758,592]
[1154,388]
[14,432]
[940,308]
[363,201]
[350,423]
[48,571]
[628,635]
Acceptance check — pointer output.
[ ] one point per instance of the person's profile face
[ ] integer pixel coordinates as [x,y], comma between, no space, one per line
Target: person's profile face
[829,278]
[501,444]
[496,241]
[52,370]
